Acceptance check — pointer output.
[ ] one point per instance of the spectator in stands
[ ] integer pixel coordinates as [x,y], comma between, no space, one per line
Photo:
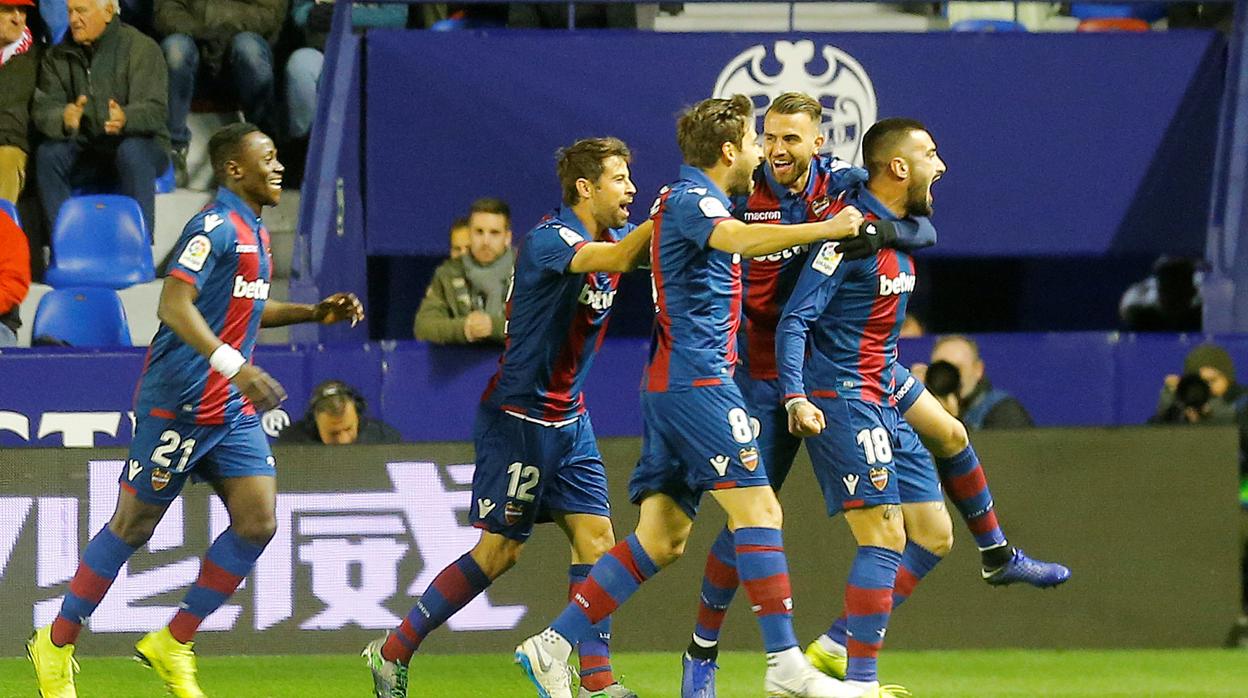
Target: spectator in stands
[1210,365]
[14,278]
[1168,300]
[231,40]
[982,406]
[101,106]
[911,326]
[466,301]
[944,382]
[303,68]
[19,68]
[337,416]
[461,237]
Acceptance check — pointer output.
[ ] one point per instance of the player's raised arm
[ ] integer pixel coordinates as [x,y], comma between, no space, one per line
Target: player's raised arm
[818,283]
[625,255]
[757,239]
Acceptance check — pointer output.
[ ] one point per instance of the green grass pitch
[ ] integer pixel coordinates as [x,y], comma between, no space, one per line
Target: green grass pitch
[997,673]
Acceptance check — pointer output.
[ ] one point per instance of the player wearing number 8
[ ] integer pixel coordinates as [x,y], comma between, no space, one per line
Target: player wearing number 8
[195,414]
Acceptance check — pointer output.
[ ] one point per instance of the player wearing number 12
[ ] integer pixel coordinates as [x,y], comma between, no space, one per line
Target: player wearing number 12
[536,456]
[195,414]
[697,435]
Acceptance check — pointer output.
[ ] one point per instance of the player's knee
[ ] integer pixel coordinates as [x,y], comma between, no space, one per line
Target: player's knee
[257,530]
[495,554]
[937,542]
[591,545]
[954,440]
[134,531]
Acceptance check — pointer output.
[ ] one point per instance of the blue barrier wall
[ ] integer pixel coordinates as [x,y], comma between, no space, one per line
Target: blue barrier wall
[1057,144]
[80,397]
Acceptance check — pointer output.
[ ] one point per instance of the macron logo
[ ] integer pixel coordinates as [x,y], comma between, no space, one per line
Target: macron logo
[257,290]
[902,283]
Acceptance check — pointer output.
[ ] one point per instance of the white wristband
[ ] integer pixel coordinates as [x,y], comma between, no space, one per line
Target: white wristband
[227,361]
[788,404]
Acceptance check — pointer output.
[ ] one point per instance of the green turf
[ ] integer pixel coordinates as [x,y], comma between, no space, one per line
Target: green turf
[998,674]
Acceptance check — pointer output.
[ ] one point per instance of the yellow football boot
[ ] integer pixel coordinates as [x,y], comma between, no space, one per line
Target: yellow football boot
[833,665]
[54,666]
[173,661]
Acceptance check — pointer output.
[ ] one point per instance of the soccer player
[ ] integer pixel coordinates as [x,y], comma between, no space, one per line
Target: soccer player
[697,435]
[196,407]
[794,185]
[536,456]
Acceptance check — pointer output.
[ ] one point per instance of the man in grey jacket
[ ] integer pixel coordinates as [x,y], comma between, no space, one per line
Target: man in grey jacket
[101,104]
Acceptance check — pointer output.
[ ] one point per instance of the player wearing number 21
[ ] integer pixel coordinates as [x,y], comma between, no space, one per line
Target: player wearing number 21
[196,414]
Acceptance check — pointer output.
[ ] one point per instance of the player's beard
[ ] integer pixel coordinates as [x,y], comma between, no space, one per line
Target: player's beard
[917,203]
[742,183]
[798,171]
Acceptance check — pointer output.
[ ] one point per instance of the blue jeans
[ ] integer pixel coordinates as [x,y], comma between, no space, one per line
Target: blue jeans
[248,67]
[303,73]
[133,167]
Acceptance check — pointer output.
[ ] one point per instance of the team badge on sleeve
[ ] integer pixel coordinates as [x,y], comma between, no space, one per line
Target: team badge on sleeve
[713,208]
[570,236]
[827,259]
[196,253]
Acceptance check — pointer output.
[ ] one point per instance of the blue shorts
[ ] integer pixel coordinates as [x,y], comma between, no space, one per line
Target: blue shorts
[527,470]
[695,440]
[908,389]
[165,452]
[868,456]
[763,400]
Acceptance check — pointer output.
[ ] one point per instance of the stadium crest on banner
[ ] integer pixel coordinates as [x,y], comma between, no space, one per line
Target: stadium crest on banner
[836,79]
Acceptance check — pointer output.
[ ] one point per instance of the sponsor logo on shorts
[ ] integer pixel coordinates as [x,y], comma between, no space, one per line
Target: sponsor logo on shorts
[485,506]
[879,478]
[851,483]
[513,512]
[720,464]
[749,458]
[160,478]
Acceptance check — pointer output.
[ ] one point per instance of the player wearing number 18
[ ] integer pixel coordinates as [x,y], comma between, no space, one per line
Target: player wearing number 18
[195,414]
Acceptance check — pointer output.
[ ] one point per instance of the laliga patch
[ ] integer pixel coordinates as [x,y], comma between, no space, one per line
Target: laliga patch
[196,253]
[713,208]
[827,259]
[570,236]
[160,478]
[879,478]
[749,458]
[513,512]
[820,205]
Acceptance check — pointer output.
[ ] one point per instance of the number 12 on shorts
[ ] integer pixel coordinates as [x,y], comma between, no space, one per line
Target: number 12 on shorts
[523,480]
[876,446]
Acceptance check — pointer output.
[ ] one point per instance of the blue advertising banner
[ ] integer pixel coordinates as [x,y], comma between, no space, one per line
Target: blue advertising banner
[1057,144]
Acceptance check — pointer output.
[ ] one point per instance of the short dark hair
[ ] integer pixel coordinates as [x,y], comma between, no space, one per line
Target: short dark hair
[226,143]
[584,160]
[797,103]
[943,378]
[705,127]
[332,397]
[488,204]
[880,143]
[461,222]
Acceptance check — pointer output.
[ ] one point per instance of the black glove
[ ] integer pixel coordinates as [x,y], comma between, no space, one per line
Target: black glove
[873,236]
[320,17]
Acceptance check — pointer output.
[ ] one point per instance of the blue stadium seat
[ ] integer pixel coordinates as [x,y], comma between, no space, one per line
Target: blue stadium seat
[9,208]
[82,317]
[100,241]
[987,25]
[1147,11]
[165,183]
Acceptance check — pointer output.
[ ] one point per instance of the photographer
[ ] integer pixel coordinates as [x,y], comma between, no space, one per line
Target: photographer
[1211,365]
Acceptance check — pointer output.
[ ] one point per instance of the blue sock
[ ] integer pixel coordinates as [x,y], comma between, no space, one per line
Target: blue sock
[455,586]
[228,561]
[719,585]
[868,604]
[965,483]
[764,573]
[101,561]
[614,578]
[595,648]
[916,562]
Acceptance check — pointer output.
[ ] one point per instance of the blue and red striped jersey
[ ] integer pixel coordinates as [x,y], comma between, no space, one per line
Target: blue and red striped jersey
[769,279]
[555,322]
[848,315]
[224,253]
[697,289]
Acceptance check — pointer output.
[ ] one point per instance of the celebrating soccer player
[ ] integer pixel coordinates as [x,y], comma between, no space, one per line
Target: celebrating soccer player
[196,414]
[536,456]
[697,435]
